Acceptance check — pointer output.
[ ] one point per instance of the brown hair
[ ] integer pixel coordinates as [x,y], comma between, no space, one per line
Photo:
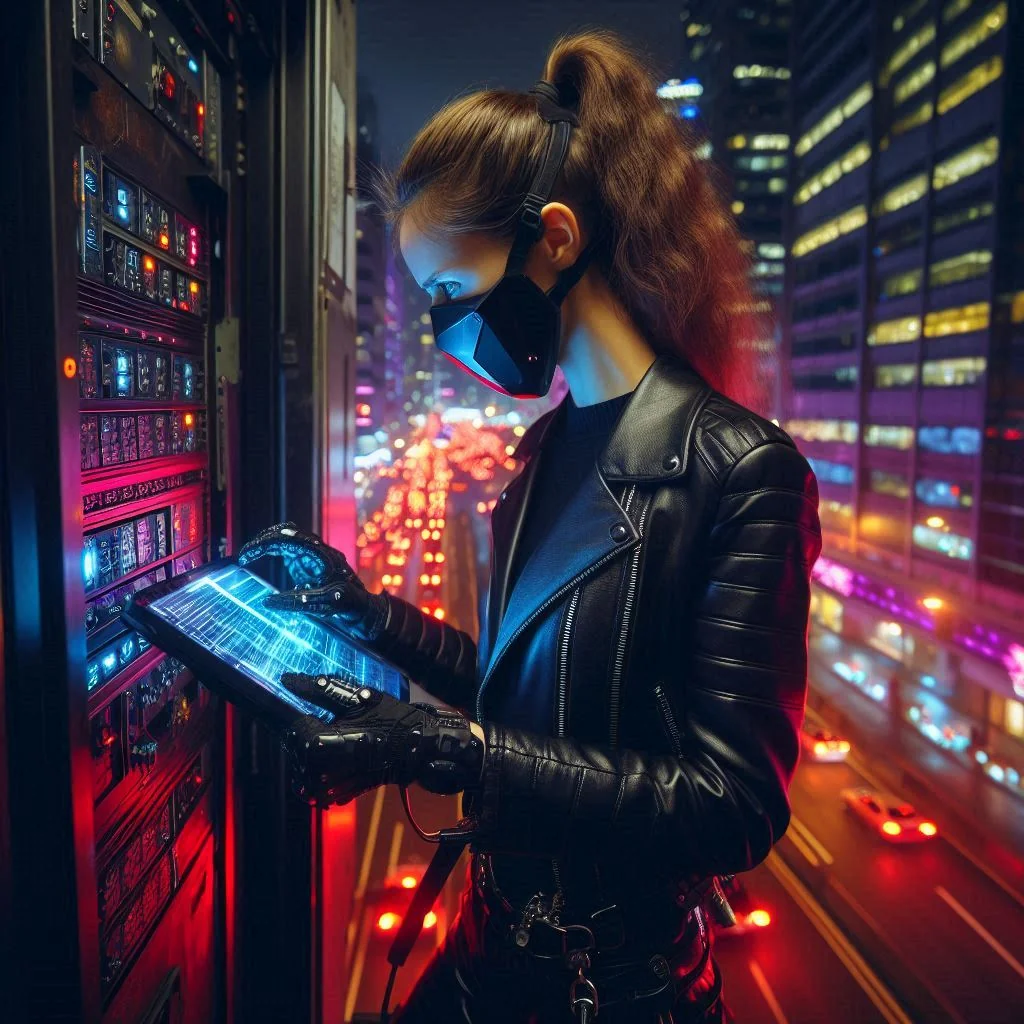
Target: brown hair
[670,252]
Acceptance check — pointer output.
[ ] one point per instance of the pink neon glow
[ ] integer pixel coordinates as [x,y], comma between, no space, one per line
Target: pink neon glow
[1013,660]
[364,389]
[364,421]
[834,576]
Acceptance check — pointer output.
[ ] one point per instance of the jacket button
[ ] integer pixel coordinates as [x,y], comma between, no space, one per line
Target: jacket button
[619,532]
[670,463]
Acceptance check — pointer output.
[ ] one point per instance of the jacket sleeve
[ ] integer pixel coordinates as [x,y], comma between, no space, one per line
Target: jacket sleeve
[738,699]
[441,658]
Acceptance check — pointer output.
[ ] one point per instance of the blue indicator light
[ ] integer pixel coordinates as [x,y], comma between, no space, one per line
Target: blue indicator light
[688,112]
[193,66]
[109,663]
[122,212]
[122,364]
[90,182]
[127,652]
[122,195]
[92,674]
[89,567]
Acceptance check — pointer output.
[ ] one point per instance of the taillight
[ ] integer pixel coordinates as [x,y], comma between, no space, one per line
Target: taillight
[408,881]
[759,918]
[844,746]
[927,828]
[430,920]
[891,828]
[820,748]
[387,921]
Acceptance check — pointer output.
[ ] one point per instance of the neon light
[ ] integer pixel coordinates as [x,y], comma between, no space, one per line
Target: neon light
[1013,661]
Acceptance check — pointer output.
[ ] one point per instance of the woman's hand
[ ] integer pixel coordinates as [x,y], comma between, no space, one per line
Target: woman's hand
[375,739]
[325,582]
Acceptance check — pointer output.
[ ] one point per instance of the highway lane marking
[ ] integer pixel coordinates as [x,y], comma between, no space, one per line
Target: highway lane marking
[873,986]
[974,923]
[808,853]
[811,839]
[766,992]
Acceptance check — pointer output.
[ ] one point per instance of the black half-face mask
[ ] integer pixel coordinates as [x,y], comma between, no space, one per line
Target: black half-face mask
[509,336]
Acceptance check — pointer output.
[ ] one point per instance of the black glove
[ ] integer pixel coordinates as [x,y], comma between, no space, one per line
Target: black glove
[375,739]
[325,583]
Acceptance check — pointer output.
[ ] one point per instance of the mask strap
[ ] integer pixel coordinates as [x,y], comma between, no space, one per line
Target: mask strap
[571,275]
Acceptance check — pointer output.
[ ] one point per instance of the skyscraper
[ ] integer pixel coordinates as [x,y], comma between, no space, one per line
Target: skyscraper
[903,330]
[734,92]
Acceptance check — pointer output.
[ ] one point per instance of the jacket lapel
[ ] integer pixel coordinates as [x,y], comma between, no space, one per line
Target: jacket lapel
[592,528]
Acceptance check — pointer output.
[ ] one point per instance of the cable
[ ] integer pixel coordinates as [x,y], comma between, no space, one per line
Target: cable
[387,995]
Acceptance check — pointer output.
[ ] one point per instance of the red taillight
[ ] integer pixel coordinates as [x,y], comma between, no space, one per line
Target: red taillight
[759,918]
[387,921]
[430,919]
[820,748]
[408,882]
[891,828]
[844,746]
[927,828]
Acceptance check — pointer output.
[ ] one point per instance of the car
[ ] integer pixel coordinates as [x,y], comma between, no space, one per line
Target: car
[750,917]
[893,819]
[820,745]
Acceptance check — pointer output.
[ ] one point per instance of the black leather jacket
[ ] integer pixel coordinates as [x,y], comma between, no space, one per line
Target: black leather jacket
[671,602]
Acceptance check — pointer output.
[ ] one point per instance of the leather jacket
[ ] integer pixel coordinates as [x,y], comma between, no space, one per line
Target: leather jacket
[671,601]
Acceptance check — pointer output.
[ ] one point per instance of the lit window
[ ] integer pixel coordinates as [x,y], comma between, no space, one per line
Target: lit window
[892,332]
[951,373]
[832,229]
[903,194]
[959,268]
[974,35]
[906,283]
[943,493]
[908,50]
[1017,308]
[776,185]
[824,430]
[426,339]
[759,71]
[894,484]
[920,115]
[737,206]
[888,436]
[771,250]
[906,14]
[760,163]
[967,85]
[954,9]
[736,142]
[942,223]
[957,320]
[895,375]
[829,175]
[765,268]
[695,28]
[1014,718]
[913,83]
[965,163]
[950,440]
[942,542]
[833,119]
[774,141]
[831,472]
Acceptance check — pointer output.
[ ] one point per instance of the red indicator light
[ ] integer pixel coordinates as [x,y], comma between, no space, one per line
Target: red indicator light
[193,287]
[149,263]
[200,110]
[409,882]
[167,84]
[387,921]
[70,368]
[760,918]
[164,240]
[189,418]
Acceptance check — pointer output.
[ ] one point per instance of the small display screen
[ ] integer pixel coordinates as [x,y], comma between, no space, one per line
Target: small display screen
[222,610]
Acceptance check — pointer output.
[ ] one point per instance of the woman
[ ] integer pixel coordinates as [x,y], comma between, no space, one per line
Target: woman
[633,703]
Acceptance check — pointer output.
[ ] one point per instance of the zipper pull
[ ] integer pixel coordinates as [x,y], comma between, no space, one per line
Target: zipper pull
[530,914]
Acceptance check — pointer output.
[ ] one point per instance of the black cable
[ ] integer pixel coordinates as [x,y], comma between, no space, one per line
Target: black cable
[387,995]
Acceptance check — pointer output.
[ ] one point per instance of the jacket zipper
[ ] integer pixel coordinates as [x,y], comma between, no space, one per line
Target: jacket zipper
[627,610]
[561,713]
[669,719]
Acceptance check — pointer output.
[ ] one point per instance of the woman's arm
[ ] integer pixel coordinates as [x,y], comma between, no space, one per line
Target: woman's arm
[721,805]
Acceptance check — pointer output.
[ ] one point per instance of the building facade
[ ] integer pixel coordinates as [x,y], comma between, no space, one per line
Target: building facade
[902,335]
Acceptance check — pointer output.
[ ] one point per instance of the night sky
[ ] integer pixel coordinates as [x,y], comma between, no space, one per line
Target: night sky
[416,55]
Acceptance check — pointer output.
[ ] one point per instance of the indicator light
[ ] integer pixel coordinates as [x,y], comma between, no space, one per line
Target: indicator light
[927,828]
[70,368]
[189,419]
[164,240]
[194,68]
[820,748]
[387,921]
[409,882]
[149,263]
[193,287]
[438,613]
[122,212]
[760,918]
[933,604]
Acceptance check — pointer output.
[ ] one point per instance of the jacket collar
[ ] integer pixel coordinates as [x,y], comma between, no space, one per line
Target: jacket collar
[651,441]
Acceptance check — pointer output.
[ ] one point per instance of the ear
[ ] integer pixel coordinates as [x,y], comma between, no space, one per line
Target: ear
[561,240]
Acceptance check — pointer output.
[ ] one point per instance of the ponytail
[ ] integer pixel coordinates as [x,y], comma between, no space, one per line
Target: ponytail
[670,251]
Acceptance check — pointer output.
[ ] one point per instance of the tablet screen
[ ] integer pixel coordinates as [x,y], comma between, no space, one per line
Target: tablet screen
[223,612]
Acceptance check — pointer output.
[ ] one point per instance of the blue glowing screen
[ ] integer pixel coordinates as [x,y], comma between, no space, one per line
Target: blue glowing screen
[223,611]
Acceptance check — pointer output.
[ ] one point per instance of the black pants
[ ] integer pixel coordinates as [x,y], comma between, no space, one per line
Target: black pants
[473,979]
